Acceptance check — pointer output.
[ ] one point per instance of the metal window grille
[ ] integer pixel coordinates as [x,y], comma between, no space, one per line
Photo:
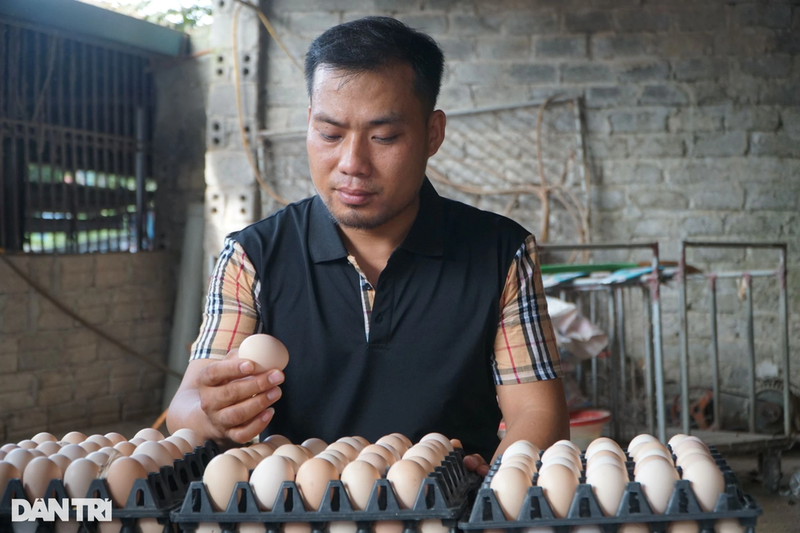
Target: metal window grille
[74,138]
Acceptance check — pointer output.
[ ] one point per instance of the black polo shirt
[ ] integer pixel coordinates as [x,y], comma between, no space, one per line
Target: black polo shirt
[427,363]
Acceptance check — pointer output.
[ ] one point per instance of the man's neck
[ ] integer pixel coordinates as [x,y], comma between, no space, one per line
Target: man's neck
[373,247]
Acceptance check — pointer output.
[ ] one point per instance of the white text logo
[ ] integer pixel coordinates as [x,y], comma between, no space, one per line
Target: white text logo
[89,509]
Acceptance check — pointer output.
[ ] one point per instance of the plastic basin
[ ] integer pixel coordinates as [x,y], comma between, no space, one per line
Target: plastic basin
[586,425]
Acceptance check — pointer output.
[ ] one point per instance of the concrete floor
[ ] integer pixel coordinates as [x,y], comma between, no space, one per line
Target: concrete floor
[781,513]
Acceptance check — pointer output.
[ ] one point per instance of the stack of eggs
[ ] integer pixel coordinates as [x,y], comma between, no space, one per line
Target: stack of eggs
[515,474]
[313,464]
[655,470]
[77,460]
[700,468]
[607,473]
[606,469]
[559,475]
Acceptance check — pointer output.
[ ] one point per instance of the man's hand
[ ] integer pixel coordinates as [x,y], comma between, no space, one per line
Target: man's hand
[476,463]
[237,403]
[224,401]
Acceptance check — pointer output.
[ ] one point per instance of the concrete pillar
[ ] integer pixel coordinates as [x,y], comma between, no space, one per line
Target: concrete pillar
[232,193]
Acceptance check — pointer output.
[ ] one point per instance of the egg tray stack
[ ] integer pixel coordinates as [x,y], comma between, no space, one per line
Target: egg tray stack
[153,497]
[445,495]
[634,508]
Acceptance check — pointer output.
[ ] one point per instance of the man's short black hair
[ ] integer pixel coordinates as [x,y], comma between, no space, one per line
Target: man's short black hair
[370,43]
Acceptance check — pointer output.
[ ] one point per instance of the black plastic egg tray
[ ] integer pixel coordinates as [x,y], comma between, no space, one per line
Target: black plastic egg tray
[445,494]
[153,497]
[634,508]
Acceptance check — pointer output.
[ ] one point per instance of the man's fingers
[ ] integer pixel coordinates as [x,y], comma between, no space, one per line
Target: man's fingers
[239,390]
[476,463]
[244,411]
[248,431]
[225,370]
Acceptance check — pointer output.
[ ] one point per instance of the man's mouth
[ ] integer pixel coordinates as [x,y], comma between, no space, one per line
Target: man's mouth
[351,196]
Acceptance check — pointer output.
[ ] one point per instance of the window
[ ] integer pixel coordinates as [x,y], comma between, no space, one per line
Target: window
[74,145]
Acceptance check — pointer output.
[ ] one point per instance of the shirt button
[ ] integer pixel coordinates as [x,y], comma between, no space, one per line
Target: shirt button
[379,318]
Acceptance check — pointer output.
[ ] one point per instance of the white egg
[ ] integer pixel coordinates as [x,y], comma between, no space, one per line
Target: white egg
[608,484]
[558,483]
[640,439]
[707,483]
[406,477]
[267,478]
[510,487]
[359,479]
[524,447]
[266,352]
[604,445]
[563,461]
[657,479]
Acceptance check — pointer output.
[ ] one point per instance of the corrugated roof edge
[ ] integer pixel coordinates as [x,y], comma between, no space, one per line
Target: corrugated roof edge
[93,21]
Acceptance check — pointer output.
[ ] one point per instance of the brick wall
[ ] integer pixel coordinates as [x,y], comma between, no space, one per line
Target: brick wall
[57,376]
[692,110]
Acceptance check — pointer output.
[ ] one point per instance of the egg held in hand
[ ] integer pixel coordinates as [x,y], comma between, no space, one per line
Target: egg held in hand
[266,352]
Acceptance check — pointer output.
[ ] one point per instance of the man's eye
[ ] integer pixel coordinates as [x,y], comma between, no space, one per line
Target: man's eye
[328,137]
[385,140]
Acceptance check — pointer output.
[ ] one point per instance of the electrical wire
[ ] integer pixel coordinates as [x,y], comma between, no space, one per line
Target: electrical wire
[268,25]
[83,322]
[237,85]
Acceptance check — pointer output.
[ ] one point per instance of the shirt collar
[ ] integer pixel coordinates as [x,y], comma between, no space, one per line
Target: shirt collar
[324,243]
[426,236]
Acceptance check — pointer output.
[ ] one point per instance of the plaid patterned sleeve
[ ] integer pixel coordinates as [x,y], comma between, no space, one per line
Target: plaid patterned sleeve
[525,346]
[232,311]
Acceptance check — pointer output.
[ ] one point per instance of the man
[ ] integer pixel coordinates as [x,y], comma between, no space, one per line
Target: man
[401,310]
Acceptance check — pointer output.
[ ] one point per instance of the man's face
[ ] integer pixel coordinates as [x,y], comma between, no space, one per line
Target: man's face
[369,139]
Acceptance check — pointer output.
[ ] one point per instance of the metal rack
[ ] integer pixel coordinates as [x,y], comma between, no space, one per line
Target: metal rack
[747,276]
[769,447]
[650,285]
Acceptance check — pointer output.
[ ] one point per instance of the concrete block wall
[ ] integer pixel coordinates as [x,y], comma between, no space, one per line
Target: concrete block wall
[57,376]
[231,193]
[179,142]
[692,110]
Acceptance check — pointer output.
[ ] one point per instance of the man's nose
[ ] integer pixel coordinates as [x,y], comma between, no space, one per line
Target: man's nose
[354,160]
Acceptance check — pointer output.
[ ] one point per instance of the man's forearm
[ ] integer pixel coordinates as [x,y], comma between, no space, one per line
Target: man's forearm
[540,427]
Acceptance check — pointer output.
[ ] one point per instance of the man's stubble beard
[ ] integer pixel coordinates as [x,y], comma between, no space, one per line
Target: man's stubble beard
[354,220]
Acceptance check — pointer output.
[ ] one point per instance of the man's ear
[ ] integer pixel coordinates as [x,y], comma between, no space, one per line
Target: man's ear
[308,117]
[436,124]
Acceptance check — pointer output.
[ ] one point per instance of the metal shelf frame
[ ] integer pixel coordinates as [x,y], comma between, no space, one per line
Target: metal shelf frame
[683,279]
[650,285]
